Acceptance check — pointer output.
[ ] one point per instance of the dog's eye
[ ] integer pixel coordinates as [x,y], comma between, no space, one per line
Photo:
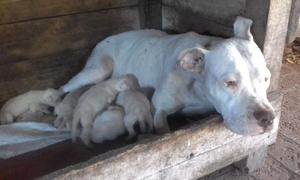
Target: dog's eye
[230,83]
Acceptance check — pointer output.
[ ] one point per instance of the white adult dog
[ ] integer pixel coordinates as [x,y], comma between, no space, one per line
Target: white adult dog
[137,110]
[191,73]
[94,101]
[33,101]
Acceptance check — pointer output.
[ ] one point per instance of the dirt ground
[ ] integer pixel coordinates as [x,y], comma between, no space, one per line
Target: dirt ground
[283,160]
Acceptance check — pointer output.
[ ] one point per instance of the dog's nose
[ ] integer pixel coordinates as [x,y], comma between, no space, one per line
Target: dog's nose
[264,117]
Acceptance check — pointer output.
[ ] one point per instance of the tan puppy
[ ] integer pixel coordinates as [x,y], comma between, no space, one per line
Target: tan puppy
[137,110]
[108,125]
[34,101]
[64,110]
[94,101]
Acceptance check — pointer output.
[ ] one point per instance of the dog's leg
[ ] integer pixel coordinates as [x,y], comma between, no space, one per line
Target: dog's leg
[129,125]
[75,125]
[160,122]
[143,125]
[167,99]
[58,121]
[90,75]
[87,122]
[149,120]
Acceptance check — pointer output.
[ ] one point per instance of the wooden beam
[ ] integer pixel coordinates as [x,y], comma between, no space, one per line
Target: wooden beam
[40,38]
[17,11]
[51,71]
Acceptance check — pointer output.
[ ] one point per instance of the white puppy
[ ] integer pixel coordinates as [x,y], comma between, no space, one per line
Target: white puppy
[94,101]
[108,125]
[64,110]
[38,116]
[137,110]
[34,101]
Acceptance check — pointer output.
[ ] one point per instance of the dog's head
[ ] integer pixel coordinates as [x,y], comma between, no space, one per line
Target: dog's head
[52,97]
[235,80]
[126,82]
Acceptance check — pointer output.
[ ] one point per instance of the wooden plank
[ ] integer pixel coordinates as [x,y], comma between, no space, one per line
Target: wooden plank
[33,39]
[276,32]
[259,15]
[22,10]
[51,71]
[255,160]
[210,17]
[220,11]
[151,14]
[185,154]
[37,163]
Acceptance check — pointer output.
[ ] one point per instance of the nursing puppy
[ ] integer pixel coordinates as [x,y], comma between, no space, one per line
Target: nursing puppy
[34,101]
[38,116]
[64,110]
[94,101]
[108,125]
[137,110]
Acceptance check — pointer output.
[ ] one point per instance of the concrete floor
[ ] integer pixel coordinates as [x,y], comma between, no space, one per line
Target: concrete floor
[283,161]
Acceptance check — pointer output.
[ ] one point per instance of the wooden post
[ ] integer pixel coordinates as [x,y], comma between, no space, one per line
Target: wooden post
[254,161]
[150,14]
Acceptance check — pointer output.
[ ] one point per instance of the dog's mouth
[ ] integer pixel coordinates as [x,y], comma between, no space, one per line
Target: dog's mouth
[251,129]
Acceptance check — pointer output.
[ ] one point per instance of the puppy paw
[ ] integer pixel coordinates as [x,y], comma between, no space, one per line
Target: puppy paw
[85,137]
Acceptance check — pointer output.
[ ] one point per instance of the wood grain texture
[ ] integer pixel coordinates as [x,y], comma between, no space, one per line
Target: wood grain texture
[12,11]
[185,154]
[40,38]
[275,38]
[51,71]
[209,17]
[151,14]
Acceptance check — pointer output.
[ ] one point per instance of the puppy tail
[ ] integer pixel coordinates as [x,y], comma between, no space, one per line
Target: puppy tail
[75,126]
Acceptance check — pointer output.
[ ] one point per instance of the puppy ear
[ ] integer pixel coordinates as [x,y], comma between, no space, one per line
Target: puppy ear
[192,60]
[52,96]
[122,85]
[242,28]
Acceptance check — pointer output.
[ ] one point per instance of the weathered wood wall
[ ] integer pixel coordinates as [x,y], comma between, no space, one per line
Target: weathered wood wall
[209,17]
[43,43]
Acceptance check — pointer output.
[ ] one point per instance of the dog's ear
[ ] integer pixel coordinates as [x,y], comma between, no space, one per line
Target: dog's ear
[242,28]
[192,60]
